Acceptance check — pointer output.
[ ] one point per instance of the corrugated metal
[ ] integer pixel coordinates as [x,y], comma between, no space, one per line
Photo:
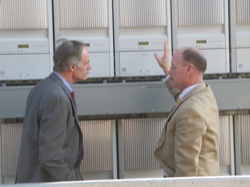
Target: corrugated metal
[97,146]
[11,142]
[200,12]
[23,14]
[225,139]
[244,123]
[243,11]
[141,136]
[83,13]
[143,13]
[98,150]
[140,139]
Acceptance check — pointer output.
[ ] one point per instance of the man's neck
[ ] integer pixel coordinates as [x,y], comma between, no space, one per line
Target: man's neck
[66,75]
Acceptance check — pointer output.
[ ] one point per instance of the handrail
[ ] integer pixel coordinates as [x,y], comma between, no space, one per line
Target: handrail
[222,181]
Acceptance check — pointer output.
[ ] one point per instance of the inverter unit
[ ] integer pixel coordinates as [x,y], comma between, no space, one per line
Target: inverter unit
[90,22]
[26,39]
[140,29]
[240,35]
[203,24]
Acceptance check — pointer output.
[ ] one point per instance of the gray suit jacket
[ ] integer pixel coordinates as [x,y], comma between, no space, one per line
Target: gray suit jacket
[189,143]
[52,138]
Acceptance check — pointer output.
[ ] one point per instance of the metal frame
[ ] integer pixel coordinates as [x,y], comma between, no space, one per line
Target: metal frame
[234,28]
[239,181]
[114,99]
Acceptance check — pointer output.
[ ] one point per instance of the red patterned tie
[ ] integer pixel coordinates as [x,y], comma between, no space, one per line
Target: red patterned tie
[73,95]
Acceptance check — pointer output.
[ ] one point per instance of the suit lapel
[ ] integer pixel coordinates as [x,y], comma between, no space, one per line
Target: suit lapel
[196,90]
[163,133]
[73,104]
[60,82]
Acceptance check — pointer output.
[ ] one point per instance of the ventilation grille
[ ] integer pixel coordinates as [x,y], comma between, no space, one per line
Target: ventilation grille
[143,13]
[23,14]
[98,153]
[11,142]
[140,139]
[244,123]
[243,11]
[200,12]
[225,140]
[98,150]
[83,14]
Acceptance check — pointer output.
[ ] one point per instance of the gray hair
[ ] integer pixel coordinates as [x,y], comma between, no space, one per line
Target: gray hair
[67,52]
[195,57]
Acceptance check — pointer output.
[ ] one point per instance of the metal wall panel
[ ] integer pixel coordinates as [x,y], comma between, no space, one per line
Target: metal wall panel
[97,141]
[140,29]
[91,22]
[204,25]
[227,145]
[243,13]
[113,99]
[93,13]
[240,35]
[141,135]
[242,144]
[244,123]
[26,33]
[140,139]
[23,14]
[225,140]
[132,14]
[11,141]
[197,12]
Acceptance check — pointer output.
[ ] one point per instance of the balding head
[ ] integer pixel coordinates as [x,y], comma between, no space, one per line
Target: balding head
[194,56]
[187,67]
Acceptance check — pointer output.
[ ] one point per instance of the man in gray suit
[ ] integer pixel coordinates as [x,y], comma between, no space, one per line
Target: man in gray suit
[52,143]
[189,143]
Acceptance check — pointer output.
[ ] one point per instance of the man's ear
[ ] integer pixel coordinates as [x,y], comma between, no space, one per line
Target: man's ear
[190,67]
[72,67]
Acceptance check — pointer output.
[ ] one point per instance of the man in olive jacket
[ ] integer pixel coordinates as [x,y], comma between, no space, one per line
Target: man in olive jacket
[189,143]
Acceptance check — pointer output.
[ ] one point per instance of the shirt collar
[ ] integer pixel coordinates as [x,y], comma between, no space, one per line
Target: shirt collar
[65,82]
[186,91]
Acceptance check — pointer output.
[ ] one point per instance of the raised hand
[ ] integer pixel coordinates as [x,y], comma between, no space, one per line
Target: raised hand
[164,60]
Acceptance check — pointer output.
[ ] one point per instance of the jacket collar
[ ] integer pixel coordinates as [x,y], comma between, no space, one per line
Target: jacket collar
[194,91]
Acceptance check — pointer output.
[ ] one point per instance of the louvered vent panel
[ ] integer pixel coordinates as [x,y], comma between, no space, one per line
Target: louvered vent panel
[225,123]
[11,142]
[200,12]
[97,140]
[83,14]
[143,13]
[244,123]
[140,139]
[243,11]
[23,14]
